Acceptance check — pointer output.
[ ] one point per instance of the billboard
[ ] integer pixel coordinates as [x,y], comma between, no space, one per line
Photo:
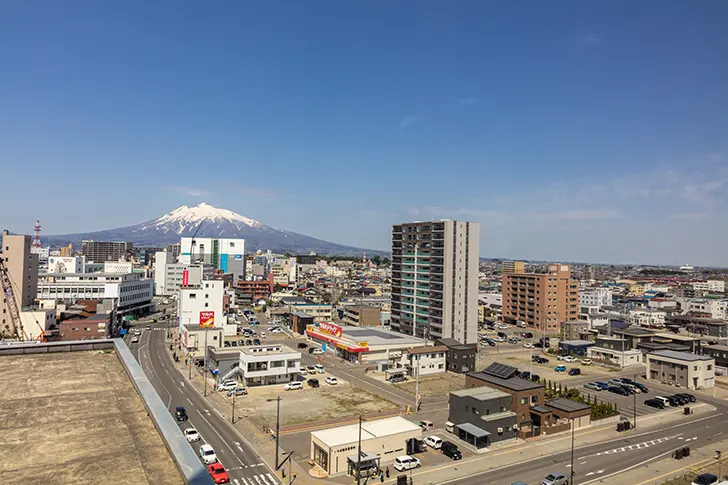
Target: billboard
[207,319]
[185,278]
[330,328]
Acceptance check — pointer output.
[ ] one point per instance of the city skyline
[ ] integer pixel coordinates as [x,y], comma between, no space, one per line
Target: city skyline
[595,137]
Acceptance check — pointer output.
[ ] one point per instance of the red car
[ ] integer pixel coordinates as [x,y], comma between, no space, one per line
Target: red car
[218,473]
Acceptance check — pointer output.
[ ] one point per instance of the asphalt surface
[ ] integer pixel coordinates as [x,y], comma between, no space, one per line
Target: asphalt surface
[244,466]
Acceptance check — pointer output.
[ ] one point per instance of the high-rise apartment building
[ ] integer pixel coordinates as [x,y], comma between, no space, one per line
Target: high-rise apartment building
[509,267]
[22,266]
[435,279]
[542,300]
[102,251]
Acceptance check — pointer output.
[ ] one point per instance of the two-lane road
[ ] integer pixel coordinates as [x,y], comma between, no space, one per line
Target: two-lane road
[244,466]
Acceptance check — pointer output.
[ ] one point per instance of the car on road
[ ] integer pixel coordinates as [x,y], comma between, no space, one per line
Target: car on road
[317,352]
[227,385]
[560,368]
[555,479]
[618,390]
[293,386]
[433,442]
[540,360]
[319,368]
[451,450]
[655,403]
[134,339]
[191,435]
[426,425]
[218,473]
[593,386]
[586,362]
[574,371]
[313,382]
[207,454]
[406,462]
[570,359]
[302,345]
[180,413]
[705,479]
[331,380]
[527,345]
[310,369]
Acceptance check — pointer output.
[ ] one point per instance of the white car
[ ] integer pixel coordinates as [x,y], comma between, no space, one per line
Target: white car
[406,462]
[331,380]
[570,359]
[192,435]
[207,454]
[319,368]
[276,330]
[433,442]
[586,362]
[527,345]
[228,385]
[317,352]
[499,339]
[262,334]
[293,386]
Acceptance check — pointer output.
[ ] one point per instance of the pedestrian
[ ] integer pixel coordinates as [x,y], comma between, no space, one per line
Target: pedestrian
[185,362]
[387,472]
[381,477]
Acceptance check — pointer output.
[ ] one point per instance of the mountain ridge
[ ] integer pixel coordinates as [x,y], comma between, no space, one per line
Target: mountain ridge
[212,222]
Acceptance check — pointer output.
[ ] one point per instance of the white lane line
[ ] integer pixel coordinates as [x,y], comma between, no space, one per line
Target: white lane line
[218,435]
[257,479]
[265,480]
[272,478]
[188,400]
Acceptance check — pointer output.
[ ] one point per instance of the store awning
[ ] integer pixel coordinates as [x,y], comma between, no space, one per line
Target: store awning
[473,430]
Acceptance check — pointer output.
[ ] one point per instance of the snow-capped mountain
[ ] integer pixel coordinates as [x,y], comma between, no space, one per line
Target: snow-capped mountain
[212,222]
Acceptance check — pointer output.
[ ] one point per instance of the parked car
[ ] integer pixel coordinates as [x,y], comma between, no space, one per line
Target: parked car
[397,378]
[207,454]
[560,368]
[535,377]
[426,425]
[655,403]
[570,359]
[256,341]
[499,339]
[313,382]
[705,479]
[586,362]
[293,386]
[690,397]
[632,388]
[180,413]
[663,399]
[331,380]
[451,450]
[525,375]
[682,400]
[238,391]
[490,342]
[310,350]
[319,368]
[433,442]
[227,385]
[674,402]
[618,390]
[542,360]
[249,342]
[593,386]
[302,345]
[527,345]
[555,479]
[191,435]
[502,335]
[310,369]
[218,473]
[527,335]
[574,371]
[406,462]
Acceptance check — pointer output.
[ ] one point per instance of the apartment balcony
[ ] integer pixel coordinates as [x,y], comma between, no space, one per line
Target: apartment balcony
[422,312]
[435,303]
[421,302]
[421,285]
[422,320]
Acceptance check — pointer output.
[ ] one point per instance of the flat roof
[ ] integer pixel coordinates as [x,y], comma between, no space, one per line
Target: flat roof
[379,336]
[721,348]
[369,429]
[567,405]
[671,354]
[482,393]
[636,332]
[514,383]
[275,349]
[674,336]
[78,416]
[576,342]
[427,350]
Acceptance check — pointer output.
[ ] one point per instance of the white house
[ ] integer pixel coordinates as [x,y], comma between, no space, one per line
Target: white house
[201,304]
[269,364]
[425,360]
[716,308]
[710,286]
[597,297]
[647,317]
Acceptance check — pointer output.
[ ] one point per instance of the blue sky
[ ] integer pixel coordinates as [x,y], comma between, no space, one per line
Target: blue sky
[587,131]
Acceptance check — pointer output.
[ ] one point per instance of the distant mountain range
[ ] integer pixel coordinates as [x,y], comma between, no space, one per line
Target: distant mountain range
[213,222]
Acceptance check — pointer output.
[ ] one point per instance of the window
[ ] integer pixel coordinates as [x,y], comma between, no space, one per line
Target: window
[193,296]
[524,400]
[534,398]
[206,304]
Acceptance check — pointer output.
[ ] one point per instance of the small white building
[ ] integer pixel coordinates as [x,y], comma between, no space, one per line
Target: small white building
[619,358]
[382,440]
[597,297]
[683,369]
[67,264]
[202,304]
[118,267]
[425,360]
[710,286]
[647,318]
[269,364]
[716,308]
[194,338]
[37,321]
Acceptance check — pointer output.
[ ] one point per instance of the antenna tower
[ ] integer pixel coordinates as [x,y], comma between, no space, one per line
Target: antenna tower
[36,236]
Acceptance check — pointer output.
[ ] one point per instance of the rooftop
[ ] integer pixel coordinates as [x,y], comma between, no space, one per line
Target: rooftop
[271,349]
[79,416]
[576,342]
[427,350]
[636,332]
[369,429]
[482,393]
[720,348]
[671,354]
[567,405]
[379,336]
[514,383]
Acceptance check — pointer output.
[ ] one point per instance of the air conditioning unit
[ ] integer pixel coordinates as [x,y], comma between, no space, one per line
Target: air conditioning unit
[515,427]
[500,430]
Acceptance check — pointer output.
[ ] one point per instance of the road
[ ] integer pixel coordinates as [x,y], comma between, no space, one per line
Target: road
[244,466]
[597,462]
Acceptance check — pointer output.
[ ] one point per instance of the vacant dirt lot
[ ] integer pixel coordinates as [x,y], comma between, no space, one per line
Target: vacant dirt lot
[309,404]
[435,385]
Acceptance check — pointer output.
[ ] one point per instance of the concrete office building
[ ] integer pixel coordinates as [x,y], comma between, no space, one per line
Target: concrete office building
[66,264]
[269,364]
[169,275]
[102,251]
[201,304]
[362,316]
[595,297]
[22,266]
[227,255]
[542,300]
[435,279]
[510,267]
[681,369]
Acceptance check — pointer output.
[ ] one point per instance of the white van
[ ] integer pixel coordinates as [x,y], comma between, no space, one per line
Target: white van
[664,400]
[406,462]
[293,386]
[434,442]
[449,427]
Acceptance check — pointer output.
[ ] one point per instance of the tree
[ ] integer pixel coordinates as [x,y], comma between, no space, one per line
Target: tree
[376,259]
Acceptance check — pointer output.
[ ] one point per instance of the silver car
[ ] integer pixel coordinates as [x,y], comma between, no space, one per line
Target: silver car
[555,479]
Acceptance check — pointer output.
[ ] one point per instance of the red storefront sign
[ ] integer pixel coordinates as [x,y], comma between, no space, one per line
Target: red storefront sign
[207,319]
[185,278]
[330,328]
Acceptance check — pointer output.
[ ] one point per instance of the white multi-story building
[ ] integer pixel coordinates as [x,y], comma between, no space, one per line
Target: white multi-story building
[132,292]
[647,318]
[595,297]
[118,267]
[269,364]
[716,308]
[65,264]
[227,255]
[169,276]
[710,286]
[201,304]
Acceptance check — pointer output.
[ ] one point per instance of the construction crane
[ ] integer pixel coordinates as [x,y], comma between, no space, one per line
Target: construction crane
[10,301]
[193,243]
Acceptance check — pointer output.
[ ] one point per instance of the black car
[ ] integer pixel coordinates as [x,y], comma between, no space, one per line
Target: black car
[249,342]
[689,397]
[542,360]
[396,379]
[655,403]
[618,390]
[574,371]
[706,479]
[180,413]
[313,383]
[490,342]
[527,335]
[525,375]
[302,345]
[639,386]
[502,335]
[674,402]
[451,450]
[310,350]
[535,377]
[681,399]
[256,341]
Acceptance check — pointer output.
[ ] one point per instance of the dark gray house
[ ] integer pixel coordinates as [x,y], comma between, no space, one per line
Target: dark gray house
[482,415]
[460,358]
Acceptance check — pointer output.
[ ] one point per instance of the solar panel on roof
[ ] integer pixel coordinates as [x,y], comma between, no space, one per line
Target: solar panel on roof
[501,370]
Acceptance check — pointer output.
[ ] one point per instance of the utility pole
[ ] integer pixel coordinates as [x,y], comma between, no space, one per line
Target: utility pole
[232,420]
[573,473]
[205,361]
[358,456]
[278,424]
[634,406]
[417,383]
[717,457]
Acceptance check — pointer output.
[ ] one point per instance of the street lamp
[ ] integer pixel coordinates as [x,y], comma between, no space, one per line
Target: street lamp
[278,423]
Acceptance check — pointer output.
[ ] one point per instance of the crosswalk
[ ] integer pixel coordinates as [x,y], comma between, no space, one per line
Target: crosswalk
[638,446]
[260,479]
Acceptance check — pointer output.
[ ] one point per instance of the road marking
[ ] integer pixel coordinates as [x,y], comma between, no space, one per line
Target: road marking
[589,474]
[257,479]
[265,480]
[218,435]
[188,400]
[272,479]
